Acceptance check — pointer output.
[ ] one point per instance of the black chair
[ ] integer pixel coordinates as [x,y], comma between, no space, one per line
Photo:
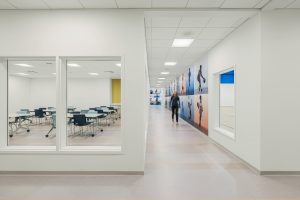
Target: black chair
[39,114]
[81,121]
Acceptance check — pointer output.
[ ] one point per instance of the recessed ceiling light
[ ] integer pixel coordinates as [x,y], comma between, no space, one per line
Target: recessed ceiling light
[164,73]
[22,74]
[161,78]
[93,74]
[23,65]
[182,42]
[170,63]
[73,65]
[118,64]
[159,81]
[54,73]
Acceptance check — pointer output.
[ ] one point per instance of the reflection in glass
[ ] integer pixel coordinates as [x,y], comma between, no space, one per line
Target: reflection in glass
[93,102]
[227,101]
[31,102]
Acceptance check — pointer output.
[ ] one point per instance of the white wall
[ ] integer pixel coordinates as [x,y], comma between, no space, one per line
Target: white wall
[42,93]
[280,90]
[241,49]
[84,33]
[19,93]
[84,93]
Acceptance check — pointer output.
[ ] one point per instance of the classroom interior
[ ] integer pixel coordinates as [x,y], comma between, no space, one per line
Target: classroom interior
[93,107]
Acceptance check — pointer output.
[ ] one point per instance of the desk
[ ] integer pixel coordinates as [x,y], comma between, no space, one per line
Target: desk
[94,116]
[19,118]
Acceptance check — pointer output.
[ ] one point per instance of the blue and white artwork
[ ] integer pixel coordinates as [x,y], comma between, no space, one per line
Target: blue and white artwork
[190,81]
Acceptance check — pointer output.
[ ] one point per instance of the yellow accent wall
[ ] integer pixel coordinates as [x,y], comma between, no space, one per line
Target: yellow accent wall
[116,91]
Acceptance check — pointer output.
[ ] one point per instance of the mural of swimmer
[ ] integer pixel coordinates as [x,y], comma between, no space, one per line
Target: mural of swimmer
[200,78]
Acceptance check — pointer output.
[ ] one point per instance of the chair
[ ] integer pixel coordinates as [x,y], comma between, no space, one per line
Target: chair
[53,123]
[103,116]
[25,111]
[39,114]
[81,121]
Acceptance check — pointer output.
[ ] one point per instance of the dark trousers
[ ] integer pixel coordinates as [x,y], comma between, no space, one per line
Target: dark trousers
[175,111]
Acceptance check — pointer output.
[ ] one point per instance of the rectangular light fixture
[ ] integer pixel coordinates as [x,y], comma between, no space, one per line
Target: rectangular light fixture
[161,78]
[170,63]
[22,74]
[23,65]
[93,74]
[182,42]
[164,73]
[159,81]
[54,73]
[73,65]
[118,64]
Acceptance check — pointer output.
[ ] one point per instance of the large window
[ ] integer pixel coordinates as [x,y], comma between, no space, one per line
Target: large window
[93,102]
[227,101]
[31,101]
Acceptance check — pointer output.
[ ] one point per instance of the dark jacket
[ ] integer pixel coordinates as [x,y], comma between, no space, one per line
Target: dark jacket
[175,101]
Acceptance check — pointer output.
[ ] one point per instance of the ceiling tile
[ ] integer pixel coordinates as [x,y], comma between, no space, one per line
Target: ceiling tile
[194,21]
[63,4]
[204,43]
[163,33]
[134,3]
[159,52]
[167,22]
[215,33]
[29,4]
[262,3]
[188,32]
[169,3]
[162,43]
[240,3]
[278,4]
[176,53]
[224,21]
[5,5]
[98,4]
[296,4]
[204,3]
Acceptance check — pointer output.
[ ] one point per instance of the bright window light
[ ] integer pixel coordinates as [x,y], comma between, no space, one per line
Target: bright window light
[118,64]
[164,73]
[170,63]
[22,74]
[182,42]
[73,65]
[161,78]
[93,74]
[23,65]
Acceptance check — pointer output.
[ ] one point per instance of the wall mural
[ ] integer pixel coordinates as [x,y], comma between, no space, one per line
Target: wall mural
[192,89]
[155,96]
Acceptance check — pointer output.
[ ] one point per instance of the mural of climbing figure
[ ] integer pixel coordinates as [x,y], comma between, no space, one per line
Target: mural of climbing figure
[199,76]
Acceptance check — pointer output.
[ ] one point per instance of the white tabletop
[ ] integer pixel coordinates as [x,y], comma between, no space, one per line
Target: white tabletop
[88,115]
[20,115]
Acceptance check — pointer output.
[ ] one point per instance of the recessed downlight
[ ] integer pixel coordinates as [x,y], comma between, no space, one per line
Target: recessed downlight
[182,42]
[164,73]
[161,78]
[23,65]
[93,74]
[118,65]
[170,63]
[54,73]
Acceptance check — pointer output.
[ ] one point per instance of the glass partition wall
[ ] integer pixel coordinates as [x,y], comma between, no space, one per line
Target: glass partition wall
[31,101]
[93,102]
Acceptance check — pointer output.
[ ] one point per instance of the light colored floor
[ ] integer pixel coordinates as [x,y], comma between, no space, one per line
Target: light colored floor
[111,136]
[181,164]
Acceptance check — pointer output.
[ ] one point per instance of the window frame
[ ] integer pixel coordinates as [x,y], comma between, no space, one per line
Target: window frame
[61,103]
[216,102]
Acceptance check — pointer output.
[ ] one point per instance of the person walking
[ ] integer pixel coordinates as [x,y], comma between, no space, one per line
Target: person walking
[175,105]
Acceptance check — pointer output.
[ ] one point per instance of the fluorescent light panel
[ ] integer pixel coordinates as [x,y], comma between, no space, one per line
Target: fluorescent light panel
[170,63]
[23,65]
[73,65]
[161,78]
[93,74]
[164,73]
[182,42]
[118,64]
[22,74]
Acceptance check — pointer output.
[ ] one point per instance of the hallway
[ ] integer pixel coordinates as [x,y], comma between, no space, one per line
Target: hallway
[181,164]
